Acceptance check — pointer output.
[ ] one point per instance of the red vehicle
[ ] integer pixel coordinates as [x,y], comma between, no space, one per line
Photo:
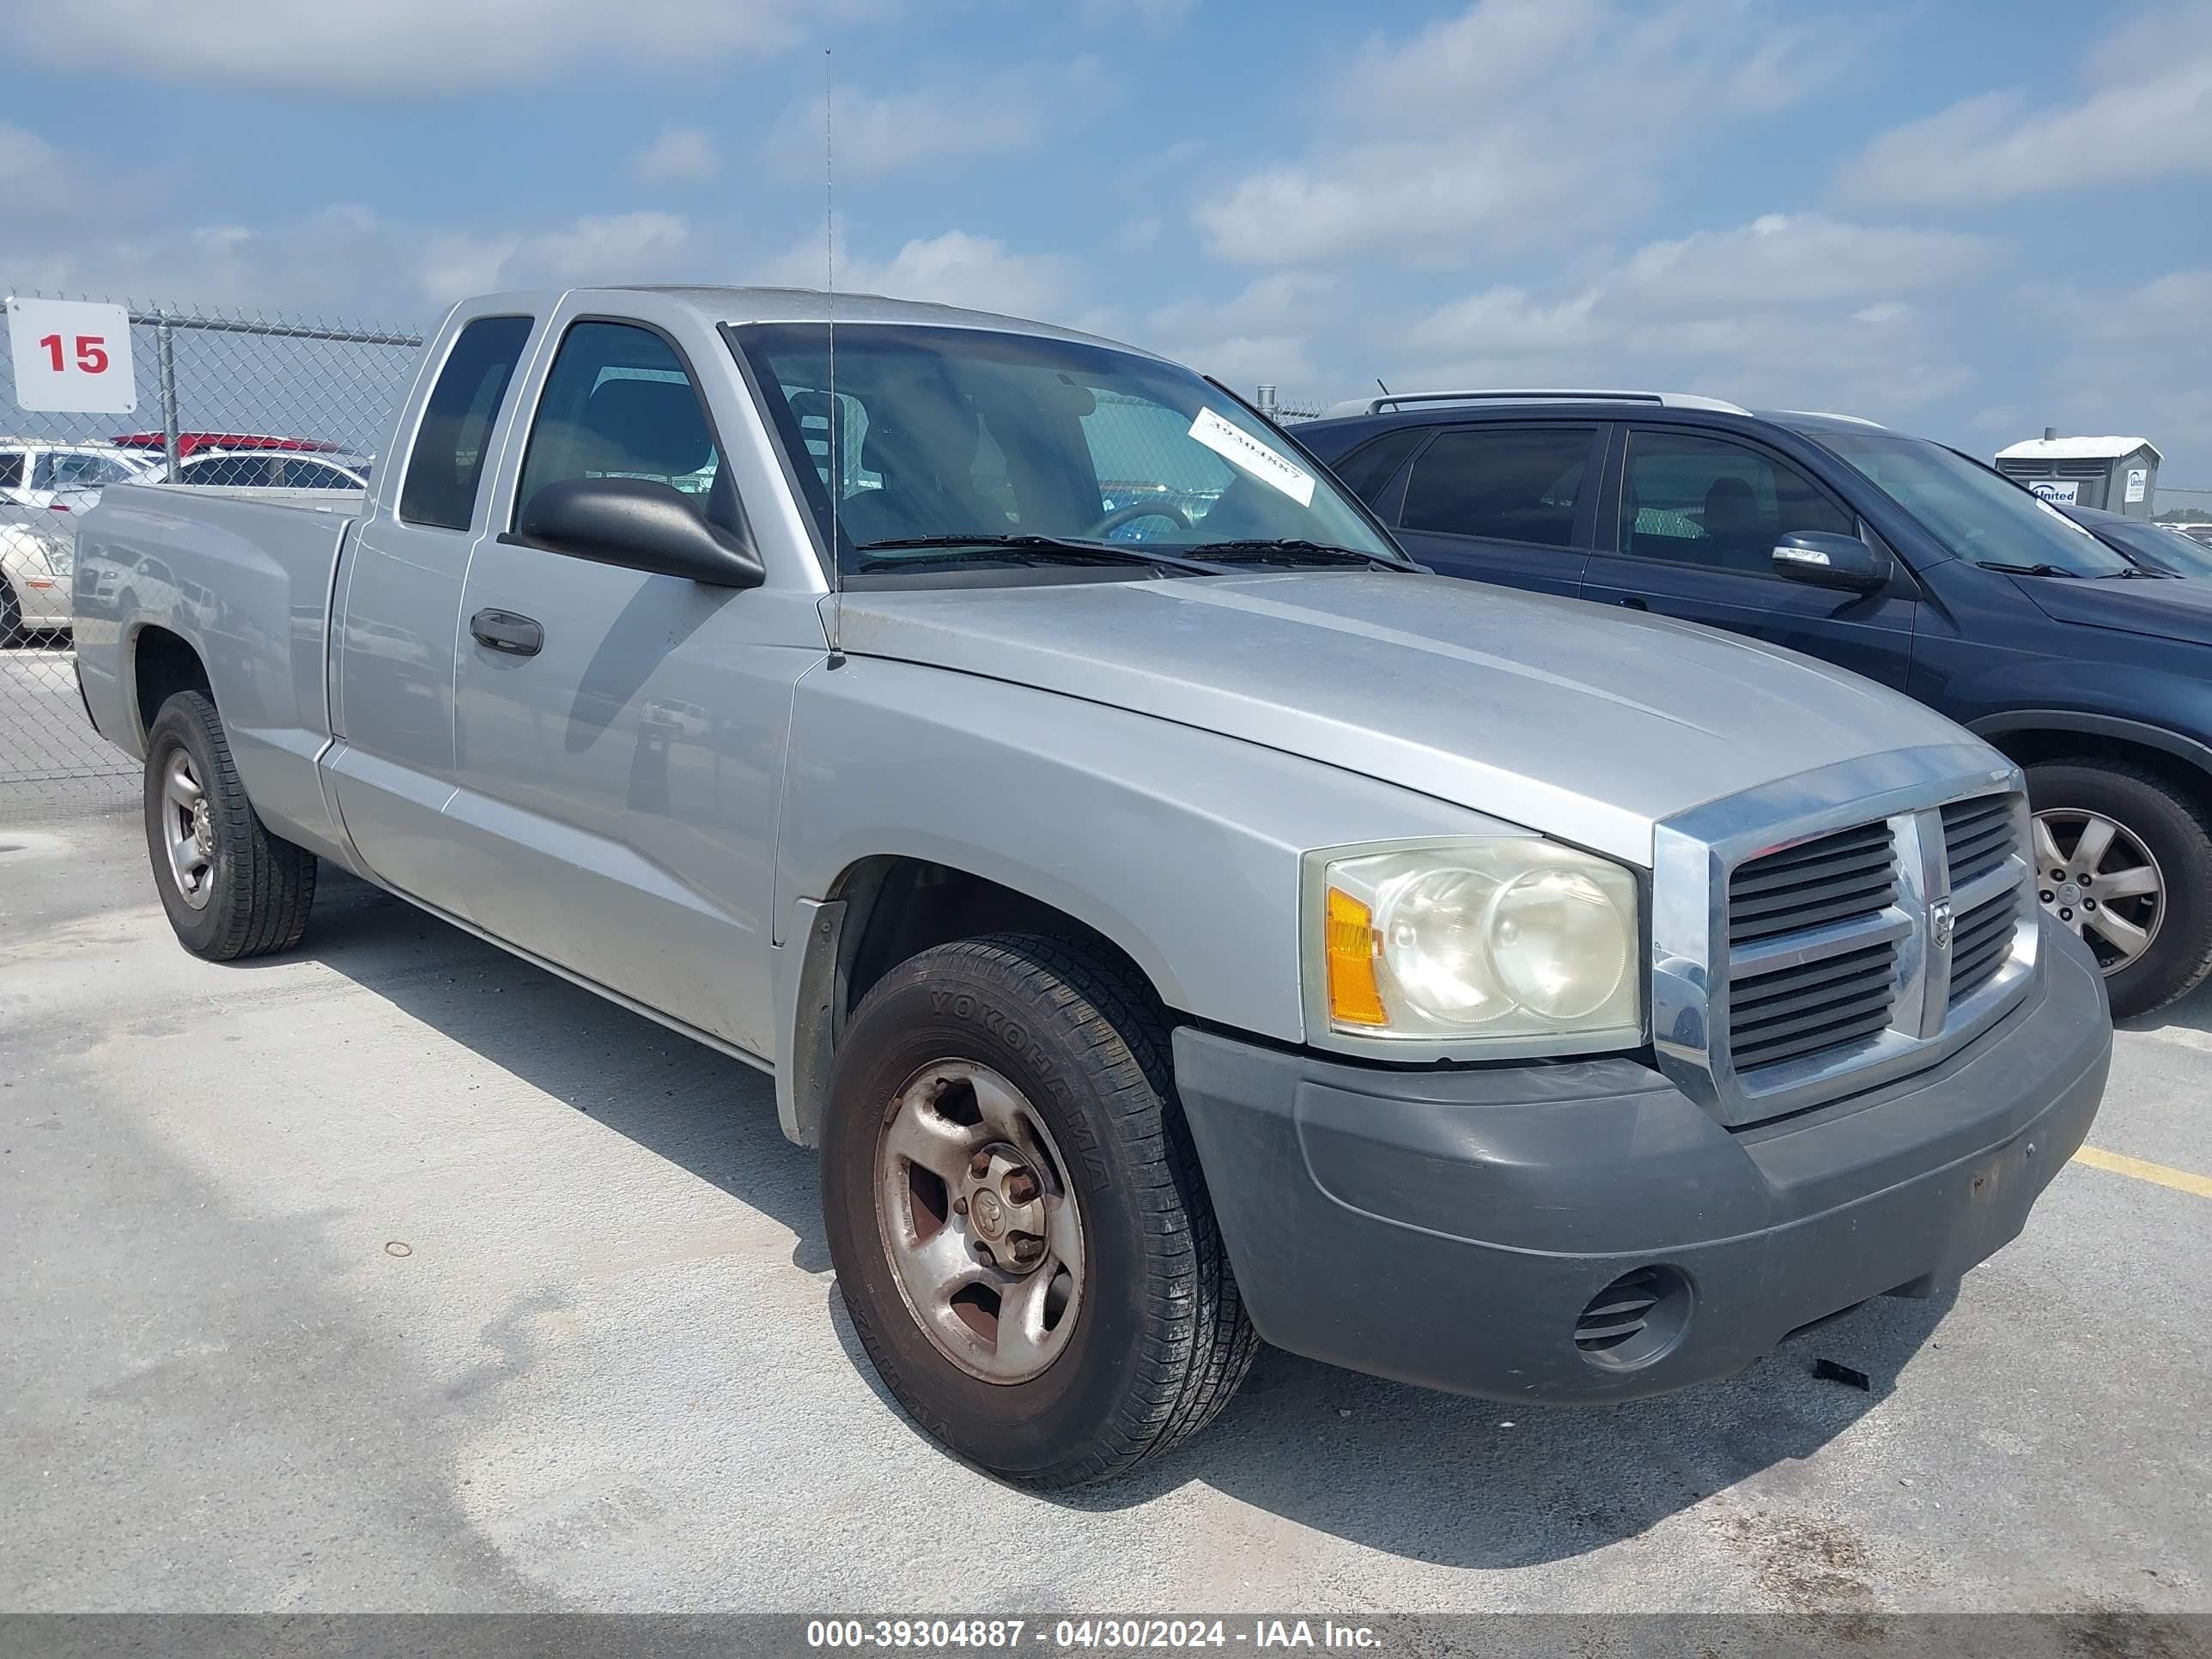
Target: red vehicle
[189,443]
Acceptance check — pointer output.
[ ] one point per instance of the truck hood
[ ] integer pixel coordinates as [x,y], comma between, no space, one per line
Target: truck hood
[2163,609]
[1586,724]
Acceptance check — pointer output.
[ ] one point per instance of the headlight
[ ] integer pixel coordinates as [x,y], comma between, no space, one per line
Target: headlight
[1511,944]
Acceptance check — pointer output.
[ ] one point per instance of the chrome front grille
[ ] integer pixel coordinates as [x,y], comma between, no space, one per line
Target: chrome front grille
[1834,878]
[1979,835]
[1829,1003]
[1858,933]
[1981,942]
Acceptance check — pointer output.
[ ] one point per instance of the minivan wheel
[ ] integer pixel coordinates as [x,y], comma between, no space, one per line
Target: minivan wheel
[230,888]
[1021,1233]
[2124,859]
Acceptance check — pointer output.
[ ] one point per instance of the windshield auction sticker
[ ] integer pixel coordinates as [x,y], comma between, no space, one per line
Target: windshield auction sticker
[1240,448]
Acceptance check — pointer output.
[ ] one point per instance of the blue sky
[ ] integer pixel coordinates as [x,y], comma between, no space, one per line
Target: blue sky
[1970,220]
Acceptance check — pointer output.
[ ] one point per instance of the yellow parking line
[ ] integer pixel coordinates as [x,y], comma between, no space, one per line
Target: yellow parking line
[2182,1181]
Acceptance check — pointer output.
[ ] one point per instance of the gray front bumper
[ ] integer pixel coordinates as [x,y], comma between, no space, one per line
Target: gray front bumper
[1448,1228]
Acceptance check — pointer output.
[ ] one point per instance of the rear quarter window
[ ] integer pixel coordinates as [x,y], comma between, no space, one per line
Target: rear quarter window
[445,469]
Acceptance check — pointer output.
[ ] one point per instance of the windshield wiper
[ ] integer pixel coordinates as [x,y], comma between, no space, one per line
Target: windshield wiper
[1289,550]
[2143,573]
[1030,549]
[2026,569]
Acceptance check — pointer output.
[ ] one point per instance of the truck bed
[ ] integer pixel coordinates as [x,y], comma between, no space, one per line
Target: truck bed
[244,577]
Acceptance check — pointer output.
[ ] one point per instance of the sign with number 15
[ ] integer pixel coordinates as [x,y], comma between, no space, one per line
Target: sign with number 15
[71,355]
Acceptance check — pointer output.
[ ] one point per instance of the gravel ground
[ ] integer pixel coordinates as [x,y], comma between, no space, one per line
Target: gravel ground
[395,1273]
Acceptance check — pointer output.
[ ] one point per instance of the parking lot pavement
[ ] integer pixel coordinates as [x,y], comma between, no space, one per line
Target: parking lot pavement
[397,1273]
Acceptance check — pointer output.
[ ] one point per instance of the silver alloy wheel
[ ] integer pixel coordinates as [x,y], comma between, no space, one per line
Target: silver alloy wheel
[188,831]
[2098,878]
[984,1237]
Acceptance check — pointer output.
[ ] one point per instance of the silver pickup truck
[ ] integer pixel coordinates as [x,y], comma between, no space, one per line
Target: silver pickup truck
[1178,921]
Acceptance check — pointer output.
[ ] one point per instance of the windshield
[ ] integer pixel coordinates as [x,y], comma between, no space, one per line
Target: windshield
[1973,511]
[2164,548]
[961,438]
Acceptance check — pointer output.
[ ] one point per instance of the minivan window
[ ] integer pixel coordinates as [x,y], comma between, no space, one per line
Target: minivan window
[1973,512]
[1699,499]
[1513,484]
[447,464]
[11,470]
[1370,468]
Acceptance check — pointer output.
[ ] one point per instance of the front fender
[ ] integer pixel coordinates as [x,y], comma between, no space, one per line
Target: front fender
[1181,846]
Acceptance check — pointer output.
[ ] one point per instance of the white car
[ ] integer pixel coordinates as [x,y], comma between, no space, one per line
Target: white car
[275,469]
[38,559]
[66,477]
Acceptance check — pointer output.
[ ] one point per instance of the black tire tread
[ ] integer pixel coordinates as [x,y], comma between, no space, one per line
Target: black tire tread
[2197,961]
[1196,1343]
[264,907]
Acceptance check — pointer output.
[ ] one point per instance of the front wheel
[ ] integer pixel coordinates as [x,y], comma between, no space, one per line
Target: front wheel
[1020,1232]
[231,889]
[2124,859]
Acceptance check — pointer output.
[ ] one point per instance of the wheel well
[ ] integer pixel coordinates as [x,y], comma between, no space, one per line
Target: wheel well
[897,907]
[162,665]
[2035,745]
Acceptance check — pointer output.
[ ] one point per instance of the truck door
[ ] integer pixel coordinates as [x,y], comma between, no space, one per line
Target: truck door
[394,616]
[620,735]
[1699,514]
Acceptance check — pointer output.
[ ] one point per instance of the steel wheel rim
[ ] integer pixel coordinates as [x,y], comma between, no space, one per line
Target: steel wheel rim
[967,1175]
[2101,881]
[187,831]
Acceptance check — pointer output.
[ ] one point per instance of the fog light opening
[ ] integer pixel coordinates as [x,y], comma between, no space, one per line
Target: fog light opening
[1636,1319]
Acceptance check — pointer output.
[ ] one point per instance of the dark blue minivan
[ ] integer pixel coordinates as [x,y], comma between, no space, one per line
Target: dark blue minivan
[1891,556]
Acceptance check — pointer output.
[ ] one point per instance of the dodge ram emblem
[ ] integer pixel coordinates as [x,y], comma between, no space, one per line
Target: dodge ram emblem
[1939,924]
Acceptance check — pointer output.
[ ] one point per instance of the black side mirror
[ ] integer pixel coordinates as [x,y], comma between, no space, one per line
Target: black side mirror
[637,523]
[1824,560]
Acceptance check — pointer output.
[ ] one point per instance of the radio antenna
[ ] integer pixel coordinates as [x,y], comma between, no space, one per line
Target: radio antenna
[837,479]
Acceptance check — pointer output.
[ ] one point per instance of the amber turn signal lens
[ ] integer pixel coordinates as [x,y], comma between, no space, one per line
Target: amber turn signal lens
[1354,998]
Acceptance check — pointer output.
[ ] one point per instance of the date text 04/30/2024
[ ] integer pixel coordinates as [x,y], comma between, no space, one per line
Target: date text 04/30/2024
[1097,1634]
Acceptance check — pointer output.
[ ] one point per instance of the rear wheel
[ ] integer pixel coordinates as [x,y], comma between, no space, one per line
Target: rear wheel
[1020,1232]
[2124,859]
[230,888]
[11,616]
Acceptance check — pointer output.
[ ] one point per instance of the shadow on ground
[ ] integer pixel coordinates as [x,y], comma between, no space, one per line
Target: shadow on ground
[1424,1475]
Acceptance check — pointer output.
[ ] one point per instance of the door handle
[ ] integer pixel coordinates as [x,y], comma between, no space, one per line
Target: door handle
[1634,605]
[502,631]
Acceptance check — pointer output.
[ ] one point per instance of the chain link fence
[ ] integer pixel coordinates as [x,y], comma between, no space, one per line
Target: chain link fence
[224,398]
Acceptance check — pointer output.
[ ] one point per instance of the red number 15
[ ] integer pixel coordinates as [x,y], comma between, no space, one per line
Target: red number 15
[91,352]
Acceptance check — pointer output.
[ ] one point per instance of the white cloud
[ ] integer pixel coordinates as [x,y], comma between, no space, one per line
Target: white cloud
[2146,113]
[2130,358]
[926,125]
[1515,122]
[680,156]
[412,48]
[1694,288]
[954,269]
[24,156]
[1804,256]
[1263,332]
[1796,310]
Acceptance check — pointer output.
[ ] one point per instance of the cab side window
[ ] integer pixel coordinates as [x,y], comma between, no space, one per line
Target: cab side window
[447,467]
[619,404]
[1699,499]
